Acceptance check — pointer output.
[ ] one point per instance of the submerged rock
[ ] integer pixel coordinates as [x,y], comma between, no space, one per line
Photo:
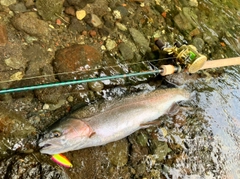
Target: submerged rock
[80,59]
[49,9]
[13,131]
[118,152]
[140,40]
[28,166]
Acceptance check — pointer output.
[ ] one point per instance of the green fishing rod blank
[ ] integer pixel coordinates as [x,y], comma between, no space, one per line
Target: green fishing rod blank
[50,85]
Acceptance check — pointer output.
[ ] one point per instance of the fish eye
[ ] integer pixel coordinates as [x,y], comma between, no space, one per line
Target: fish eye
[55,134]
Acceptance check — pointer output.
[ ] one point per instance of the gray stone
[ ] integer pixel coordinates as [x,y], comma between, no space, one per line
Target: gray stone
[198,43]
[29,23]
[139,38]
[126,51]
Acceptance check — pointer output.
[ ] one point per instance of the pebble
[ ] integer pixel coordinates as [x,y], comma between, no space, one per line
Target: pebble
[110,44]
[16,76]
[95,20]
[45,106]
[121,26]
[3,36]
[92,33]
[116,14]
[80,14]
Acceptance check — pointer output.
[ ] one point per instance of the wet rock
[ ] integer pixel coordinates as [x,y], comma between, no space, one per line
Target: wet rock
[3,35]
[182,23]
[118,152]
[79,4]
[29,23]
[161,150]
[80,58]
[96,86]
[120,12]
[28,166]
[190,15]
[15,63]
[108,21]
[19,7]
[126,51]
[87,163]
[48,9]
[198,43]
[76,25]
[38,61]
[210,37]
[140,40]
[14,130]
[7,2]
[49,95]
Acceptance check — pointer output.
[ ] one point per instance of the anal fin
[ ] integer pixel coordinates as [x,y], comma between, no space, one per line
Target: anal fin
[174,109]
[151,123]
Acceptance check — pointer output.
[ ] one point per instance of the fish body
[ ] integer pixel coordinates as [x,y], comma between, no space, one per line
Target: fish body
[111,124]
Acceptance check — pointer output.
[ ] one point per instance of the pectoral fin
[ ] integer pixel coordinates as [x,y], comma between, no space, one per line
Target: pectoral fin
[82,128]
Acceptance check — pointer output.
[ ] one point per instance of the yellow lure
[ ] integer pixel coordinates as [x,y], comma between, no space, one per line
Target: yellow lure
[60,159]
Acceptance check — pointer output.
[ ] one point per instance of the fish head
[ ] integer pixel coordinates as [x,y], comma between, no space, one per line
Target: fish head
[65,137]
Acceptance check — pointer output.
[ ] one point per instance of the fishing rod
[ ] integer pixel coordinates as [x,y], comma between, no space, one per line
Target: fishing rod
[186,59]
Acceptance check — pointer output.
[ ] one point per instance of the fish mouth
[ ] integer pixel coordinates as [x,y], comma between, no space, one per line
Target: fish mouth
[44,145]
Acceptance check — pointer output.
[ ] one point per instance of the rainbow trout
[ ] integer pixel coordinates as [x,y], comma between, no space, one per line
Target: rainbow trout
[113,123]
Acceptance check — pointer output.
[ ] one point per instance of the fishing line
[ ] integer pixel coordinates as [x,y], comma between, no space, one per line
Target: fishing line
[84,71]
